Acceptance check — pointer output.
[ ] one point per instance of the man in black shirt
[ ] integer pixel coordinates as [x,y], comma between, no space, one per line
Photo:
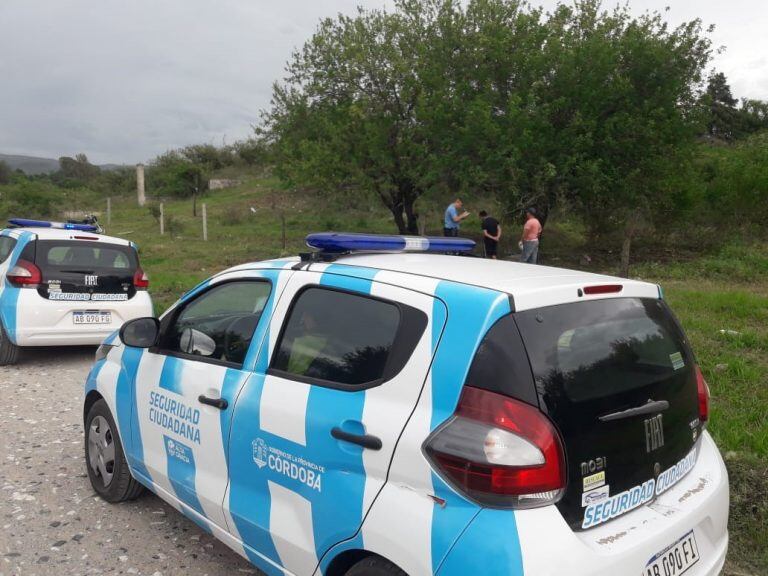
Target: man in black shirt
[491,234]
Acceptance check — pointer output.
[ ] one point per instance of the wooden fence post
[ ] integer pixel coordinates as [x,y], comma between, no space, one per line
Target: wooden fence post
[162,219]
[205,224]
[109,210]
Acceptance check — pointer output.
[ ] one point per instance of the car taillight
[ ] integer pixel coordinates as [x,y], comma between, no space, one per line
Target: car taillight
[500,452]
[140,279]
[25,275]
[703,390]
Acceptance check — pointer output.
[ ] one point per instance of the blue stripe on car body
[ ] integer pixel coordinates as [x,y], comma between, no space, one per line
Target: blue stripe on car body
[125,399]
[471,312]
[182,472]
[255,500]
[345,410]
[490,530]
[10,295]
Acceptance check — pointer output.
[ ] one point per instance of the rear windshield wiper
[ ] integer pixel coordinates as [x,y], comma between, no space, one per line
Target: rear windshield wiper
[650,407]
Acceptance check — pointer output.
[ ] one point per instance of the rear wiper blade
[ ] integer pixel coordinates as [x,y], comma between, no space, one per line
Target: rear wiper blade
[650,407]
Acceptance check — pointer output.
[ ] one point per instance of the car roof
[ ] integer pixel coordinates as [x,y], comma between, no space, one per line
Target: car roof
[530,286]
[60,234]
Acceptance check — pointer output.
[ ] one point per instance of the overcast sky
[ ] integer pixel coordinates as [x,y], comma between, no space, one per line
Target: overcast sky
[124,80]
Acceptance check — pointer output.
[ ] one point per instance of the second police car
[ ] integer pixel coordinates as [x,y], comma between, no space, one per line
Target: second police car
[389,413]
[65,284]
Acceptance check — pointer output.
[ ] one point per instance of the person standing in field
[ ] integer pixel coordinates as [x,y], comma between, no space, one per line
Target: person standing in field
[491,234]
[453,218]
[529,242]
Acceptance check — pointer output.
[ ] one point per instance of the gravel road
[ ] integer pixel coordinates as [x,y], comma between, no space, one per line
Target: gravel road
[52,522]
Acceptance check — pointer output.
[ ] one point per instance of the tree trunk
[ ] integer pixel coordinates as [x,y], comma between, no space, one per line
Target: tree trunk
[413,217]
[397,212]
[626,245]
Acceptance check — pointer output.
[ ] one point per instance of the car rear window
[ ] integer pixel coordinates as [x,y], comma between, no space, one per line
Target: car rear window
[589,350]
[76,255]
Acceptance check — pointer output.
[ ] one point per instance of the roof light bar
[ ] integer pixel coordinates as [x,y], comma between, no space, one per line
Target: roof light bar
[350,242]
[26,223]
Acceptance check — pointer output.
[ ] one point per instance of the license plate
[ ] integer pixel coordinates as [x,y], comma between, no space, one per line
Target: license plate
[92,317]
[674,559]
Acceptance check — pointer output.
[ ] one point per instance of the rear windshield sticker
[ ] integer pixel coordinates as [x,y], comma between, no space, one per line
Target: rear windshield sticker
[594,481]
[595,496]
[677,361]
[636,496]
[565,339]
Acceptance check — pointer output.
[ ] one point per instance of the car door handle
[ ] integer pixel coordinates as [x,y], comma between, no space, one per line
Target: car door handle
[364,440]
[219,403]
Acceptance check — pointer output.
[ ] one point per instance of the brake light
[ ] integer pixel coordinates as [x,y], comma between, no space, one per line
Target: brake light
[140,279]
[500,452]
[25,275]
[603,289]
[703,390]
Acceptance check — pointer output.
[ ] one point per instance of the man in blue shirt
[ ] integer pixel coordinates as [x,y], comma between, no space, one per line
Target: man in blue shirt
[453,218]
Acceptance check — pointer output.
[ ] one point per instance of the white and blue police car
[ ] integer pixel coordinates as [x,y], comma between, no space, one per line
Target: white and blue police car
[377,409]
[65,284]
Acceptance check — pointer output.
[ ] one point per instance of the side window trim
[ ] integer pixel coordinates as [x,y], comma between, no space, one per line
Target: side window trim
[171,318]
[391,369]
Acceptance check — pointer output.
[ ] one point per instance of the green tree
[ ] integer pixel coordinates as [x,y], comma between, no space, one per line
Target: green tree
[346,115]
[753,116]
[5,173]
[723,117]
[623,101]
[171,174]
[598,107]
[75,172]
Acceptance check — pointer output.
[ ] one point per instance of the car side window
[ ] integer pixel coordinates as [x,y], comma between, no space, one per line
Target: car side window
[219,324]
[6,247]
[344,338]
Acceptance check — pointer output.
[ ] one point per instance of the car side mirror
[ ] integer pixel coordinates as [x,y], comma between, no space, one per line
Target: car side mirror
[140,332]
[195,342]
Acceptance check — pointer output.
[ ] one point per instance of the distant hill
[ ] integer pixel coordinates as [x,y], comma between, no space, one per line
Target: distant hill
[29,164]
[32,165]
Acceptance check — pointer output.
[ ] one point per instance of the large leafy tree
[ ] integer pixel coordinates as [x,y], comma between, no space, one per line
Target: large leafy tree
[623,101]
[347,111]
[598,107]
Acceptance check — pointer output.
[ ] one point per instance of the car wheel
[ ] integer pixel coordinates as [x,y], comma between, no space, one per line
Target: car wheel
[104,457]
[375,566]
[9,352]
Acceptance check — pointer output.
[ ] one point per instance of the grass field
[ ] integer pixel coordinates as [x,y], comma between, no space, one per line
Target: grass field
[721,299]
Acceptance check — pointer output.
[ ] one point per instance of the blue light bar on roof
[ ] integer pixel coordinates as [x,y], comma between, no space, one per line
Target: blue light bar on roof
[349,242]
[25,223]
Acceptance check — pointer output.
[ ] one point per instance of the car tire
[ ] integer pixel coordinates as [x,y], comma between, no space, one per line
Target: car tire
[104,457]
[9,352]
[375,566]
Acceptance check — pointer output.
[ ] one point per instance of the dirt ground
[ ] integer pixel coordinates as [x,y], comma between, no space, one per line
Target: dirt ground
[51,521]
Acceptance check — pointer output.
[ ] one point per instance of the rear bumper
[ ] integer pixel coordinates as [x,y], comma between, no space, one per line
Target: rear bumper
[546,545]
[42,322]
